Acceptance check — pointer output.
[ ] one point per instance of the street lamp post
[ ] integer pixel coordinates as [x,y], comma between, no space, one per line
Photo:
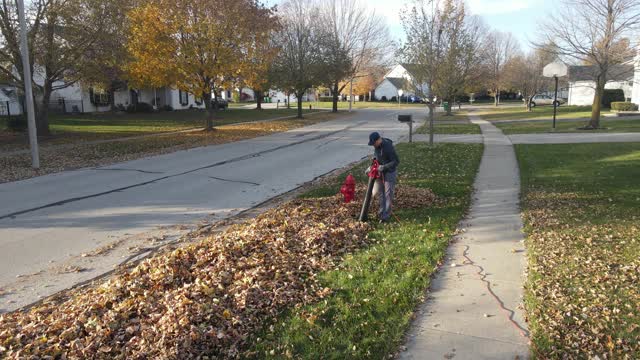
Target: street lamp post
[400,92]
[555,70]
[351,95]
[28,91]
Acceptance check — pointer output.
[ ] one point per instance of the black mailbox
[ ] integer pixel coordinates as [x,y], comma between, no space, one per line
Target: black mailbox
[404,118]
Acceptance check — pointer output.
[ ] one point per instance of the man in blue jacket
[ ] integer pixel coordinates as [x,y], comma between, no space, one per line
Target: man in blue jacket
[388,159]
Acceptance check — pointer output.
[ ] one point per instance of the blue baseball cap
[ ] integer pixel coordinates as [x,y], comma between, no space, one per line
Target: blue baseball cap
[373,137]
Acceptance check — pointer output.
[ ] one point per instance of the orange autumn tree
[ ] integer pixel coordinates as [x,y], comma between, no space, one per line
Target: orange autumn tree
[151,47]
[198,46]
[364,85]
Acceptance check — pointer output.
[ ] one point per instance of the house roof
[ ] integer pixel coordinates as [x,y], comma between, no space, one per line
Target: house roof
[588,73]
[399,83]
[411,68]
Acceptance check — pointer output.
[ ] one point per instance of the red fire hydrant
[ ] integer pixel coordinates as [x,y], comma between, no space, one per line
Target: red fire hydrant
[348,189]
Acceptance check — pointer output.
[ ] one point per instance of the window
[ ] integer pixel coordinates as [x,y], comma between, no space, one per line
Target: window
[99,97]
[184,97]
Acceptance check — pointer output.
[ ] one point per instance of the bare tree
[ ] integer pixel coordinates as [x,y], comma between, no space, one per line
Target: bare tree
[442,48]
[594,32]
[524,74]
[499,49]
[354,41]
[298,66]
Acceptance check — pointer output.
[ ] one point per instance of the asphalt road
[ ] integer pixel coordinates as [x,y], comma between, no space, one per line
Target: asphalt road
[54,229]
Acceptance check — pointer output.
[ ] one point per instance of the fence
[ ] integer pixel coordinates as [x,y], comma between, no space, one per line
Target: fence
[64,106]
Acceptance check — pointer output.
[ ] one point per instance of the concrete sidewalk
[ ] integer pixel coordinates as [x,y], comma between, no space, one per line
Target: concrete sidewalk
[473,310]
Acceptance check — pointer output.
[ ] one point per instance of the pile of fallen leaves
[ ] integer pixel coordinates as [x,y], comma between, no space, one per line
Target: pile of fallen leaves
[585,290]
[202,300]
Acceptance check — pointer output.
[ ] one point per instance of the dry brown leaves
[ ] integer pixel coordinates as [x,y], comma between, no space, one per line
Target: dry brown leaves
[586,288]
[204,299]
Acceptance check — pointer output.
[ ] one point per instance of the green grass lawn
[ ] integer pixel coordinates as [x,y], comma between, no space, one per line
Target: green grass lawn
[450,129]
[539,112]
[464,127]
[376,290]
[128,124]
[609,125]
[99,126]
[581,205]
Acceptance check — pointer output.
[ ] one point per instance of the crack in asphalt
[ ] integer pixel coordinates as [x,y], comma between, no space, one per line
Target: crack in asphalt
[118,169]
[219,163]
[235,181]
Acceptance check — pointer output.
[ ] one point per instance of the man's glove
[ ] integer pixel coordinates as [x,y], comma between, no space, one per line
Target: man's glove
[366,172]
[380,169]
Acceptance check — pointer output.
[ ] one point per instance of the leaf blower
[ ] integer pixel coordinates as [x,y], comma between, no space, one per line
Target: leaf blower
[373,180]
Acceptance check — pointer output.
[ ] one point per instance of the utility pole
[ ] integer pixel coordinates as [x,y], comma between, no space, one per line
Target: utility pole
[28,91]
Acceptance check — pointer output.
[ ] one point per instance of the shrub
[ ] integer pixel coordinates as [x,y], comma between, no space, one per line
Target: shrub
[140,107]
[17,123]
[383,98]
[167,108]
[144,107]
[326,98]
[624,106]
[394,99]
[612,95]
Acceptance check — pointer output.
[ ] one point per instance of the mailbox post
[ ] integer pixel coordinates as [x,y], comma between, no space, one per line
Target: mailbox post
[407,119]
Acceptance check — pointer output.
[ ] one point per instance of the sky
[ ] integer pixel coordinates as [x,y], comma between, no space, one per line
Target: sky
[520,17]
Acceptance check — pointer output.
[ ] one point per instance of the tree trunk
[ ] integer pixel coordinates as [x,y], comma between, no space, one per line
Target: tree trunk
[212,107]
[496,95]
[299,96]
[594,123]
[258,95]
[334,92]
[43,112]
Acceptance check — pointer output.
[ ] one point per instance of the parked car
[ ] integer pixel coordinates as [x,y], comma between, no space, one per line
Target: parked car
[540,100]
[414,99]
[222,103]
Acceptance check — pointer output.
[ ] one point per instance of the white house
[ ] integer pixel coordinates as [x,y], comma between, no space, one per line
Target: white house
[9,102]
[635,90]
[77,98]
[399,78]
[582,85]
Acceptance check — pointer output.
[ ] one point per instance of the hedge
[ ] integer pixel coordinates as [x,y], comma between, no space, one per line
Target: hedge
[624,106]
